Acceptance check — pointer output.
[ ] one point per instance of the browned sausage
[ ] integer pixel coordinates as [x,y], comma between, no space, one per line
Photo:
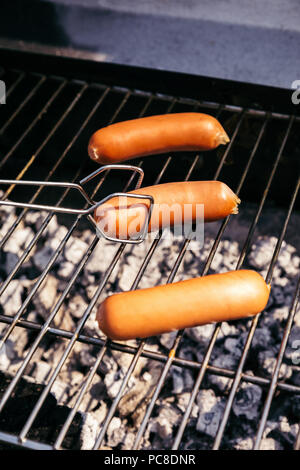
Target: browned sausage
[184,304]
[156,134]
[174,203]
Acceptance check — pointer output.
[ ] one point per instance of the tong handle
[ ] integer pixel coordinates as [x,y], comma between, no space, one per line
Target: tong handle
[78,187]
[93,204]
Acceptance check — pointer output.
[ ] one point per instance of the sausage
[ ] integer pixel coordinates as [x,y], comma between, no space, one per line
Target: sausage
[174,204]
[154,135]
[184,304]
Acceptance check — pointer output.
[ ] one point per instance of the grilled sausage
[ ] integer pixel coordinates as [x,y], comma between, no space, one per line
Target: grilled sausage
[184,304]
[156,134]
[174,204]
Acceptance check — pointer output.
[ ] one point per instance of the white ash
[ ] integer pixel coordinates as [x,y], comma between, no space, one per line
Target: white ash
[244,444]
[116,432]
[19,240]
[227,330]
[209,406]
[4,358]
[267,360]
[285,427]
[265,444]
[167,339]
[183,401]
[211,409]
[77,306]
[281,433]
[262,252]
[200,334]
[247,401]
[41,371]
[100,258]
[35,219]
[89,432]
[178,380]
[128,441]
[99,411]
[270,444]
[65,270]
[280,314]
[11,299]
[292,353]
[167,418]
[220,383]
[55,231]
[234,345]
[45,298]
[7,218]
[261,336]
[52,237]
[75,250]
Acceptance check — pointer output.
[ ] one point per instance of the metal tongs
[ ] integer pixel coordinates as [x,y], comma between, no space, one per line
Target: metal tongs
[93,205]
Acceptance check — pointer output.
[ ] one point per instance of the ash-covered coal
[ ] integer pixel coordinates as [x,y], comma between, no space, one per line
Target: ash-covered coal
[207,410]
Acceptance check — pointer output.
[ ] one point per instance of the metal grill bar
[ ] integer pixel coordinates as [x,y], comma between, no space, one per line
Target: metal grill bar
[30,444]
[54,168]
[252,331]
[268,280]
[159,357]
[16,318]
[140,351]
[35,120]
[137,355]
[43,226]
[297,444]
[142,343]
[218,326]
[14,85]
[179,336]
[170,280]
[36,286]
[56,371]
[80,326]
[45,223]
[24,102]
[275,376]
[134,286]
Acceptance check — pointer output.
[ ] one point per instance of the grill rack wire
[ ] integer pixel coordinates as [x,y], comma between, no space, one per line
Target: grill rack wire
[167,360]
[92,205]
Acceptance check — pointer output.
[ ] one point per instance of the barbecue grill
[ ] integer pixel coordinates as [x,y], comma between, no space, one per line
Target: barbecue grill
[53,106]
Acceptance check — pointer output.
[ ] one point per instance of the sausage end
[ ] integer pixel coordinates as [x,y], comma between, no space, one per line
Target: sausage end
[96,150]
[106,321]
[93,154]
[235,209]
[222,138]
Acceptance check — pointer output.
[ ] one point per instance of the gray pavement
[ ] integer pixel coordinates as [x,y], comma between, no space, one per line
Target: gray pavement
[256,42]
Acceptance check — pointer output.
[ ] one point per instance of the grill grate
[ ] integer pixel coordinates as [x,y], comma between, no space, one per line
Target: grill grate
[44,129]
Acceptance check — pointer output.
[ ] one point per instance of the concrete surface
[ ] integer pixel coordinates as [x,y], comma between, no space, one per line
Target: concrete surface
[256,42]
